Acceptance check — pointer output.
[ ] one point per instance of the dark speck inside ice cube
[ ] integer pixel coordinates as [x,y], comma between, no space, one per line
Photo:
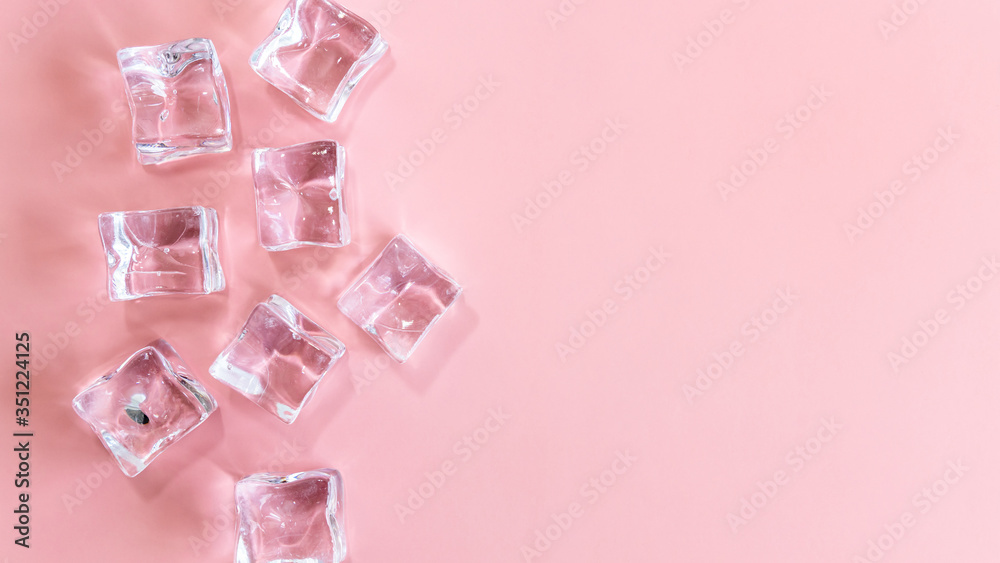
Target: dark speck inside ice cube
[137,415]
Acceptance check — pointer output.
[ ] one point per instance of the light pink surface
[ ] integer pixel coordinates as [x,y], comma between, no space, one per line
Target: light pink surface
[492,368]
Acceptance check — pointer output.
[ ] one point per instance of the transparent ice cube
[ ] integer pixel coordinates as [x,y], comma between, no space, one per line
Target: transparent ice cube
[399,298]
[300,196]
[317,53]
[164,251]
[297,518]
[144,406]
[178,97]
[278,358]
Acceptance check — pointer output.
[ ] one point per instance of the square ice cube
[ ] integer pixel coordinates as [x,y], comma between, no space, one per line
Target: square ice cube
[178,98]
[317,53]
[161,252]
[399,298]
[148,403]
[300,196]
[278,358]
[297,518]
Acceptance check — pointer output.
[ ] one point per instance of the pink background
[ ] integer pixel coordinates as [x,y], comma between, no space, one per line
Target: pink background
[752,440]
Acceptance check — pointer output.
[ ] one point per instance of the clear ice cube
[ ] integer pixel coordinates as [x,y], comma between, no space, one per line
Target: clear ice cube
[399,298]
[164,251]
[317,53]
[297,518]
[278,359]
[144,406]
[179,101]
[300,196]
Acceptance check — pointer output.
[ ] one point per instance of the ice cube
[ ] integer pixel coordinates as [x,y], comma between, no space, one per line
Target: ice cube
[164,251]
[300,196]
[317,53]
[144,406]
[179,101]
[297,518]
[399,298]
[278,359]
